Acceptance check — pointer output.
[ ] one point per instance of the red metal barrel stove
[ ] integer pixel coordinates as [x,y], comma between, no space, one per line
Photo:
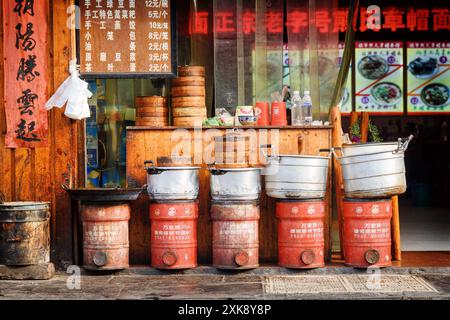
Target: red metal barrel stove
[367,232]
[301,233]
[174,234]
[235,234]
[105,235]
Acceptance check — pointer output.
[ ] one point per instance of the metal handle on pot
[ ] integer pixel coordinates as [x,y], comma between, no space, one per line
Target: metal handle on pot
[266,155]
[333,150]
[330,152]
[151,169]
[403,144]
[215,171]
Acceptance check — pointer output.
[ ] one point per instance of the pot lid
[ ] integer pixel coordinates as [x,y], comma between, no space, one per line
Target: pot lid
[235,169]
[173,168]
[297,156]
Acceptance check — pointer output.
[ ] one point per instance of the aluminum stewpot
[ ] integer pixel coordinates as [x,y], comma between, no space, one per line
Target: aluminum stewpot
[235,183]
[171,183]
[374,174]
[296,176]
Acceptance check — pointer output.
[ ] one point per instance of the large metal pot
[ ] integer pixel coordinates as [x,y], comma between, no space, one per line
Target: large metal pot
[296,176]
[235,183]
[375,174]
[353,149]
[171,183]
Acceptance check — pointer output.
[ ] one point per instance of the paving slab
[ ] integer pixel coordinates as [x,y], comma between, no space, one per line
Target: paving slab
[209,283]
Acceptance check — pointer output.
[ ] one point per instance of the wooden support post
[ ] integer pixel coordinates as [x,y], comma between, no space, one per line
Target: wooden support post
[364,127]
[354,117]
[395,224]
[335,118]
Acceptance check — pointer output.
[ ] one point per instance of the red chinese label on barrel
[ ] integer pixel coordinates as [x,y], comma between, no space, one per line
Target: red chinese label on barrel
[174,235]
[367,232]
[301,233]
[26,67]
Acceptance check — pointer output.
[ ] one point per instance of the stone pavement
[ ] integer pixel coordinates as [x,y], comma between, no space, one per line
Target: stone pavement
[263,283]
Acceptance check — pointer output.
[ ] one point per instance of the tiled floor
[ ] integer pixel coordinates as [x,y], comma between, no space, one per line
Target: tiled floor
[424,228]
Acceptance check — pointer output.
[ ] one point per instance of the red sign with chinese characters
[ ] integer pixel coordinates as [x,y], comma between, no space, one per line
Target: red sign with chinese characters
[392,19]
[26,77]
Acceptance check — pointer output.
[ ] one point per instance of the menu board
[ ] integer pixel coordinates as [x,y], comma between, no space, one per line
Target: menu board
[379,77]
[346,101]
[127,37]
[428,77]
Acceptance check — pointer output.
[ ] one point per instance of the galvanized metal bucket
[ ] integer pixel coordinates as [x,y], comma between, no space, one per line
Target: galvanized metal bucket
[172,183]
[235,183]
[296,176]
[375,175]
[24,233]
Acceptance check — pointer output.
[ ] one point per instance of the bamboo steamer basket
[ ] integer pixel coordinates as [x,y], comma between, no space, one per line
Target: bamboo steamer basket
[189,112]
[188,91]
[187,121]
[188,102]
[232,142]
[163,110]
[188,71]
[150,101]
[188,81]
[152,122]
[163,114]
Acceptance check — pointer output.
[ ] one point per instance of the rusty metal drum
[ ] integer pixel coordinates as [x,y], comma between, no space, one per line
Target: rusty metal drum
[367,232]
[235,234]
[174,234]
[105,235]
[301,233]
[24,233]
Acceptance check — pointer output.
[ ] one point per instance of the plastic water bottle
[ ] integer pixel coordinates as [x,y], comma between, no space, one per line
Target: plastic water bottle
[296,109]
[307,107]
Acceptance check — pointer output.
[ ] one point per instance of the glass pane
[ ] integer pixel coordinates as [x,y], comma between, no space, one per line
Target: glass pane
[112,110]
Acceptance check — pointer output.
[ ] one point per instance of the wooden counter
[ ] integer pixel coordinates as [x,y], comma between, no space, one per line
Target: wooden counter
[146,143]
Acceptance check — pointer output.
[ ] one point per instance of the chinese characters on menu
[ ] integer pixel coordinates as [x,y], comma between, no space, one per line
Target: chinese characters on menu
[126,36]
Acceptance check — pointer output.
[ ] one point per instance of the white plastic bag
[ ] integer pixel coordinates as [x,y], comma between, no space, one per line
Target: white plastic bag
[75,92]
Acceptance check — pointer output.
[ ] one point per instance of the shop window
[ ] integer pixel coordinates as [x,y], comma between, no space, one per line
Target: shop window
[112,110]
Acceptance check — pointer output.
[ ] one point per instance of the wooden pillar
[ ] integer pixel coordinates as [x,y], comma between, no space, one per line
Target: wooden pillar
[335,118]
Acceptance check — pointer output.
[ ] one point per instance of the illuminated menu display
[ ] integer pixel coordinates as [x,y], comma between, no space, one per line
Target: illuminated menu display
[428,77]
[126,37]
[379,77]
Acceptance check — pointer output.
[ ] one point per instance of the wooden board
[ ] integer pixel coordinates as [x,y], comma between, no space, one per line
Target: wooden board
[150,144]
[129,38]
[37,174]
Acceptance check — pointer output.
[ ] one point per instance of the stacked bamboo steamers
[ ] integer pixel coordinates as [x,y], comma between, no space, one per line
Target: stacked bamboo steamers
[173,189]
[152,111]
[188,96]
[299,184]
[372,173]
[235,191]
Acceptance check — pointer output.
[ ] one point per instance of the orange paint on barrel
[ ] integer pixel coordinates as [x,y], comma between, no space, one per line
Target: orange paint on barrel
[235,234]
[174,234]
[105,235]
[300,233]
[367,232]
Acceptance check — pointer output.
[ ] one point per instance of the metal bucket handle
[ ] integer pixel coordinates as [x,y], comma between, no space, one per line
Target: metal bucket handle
[333,151]
[151,169]
[330,152]
[403,144]
[265,154]
[214,170]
